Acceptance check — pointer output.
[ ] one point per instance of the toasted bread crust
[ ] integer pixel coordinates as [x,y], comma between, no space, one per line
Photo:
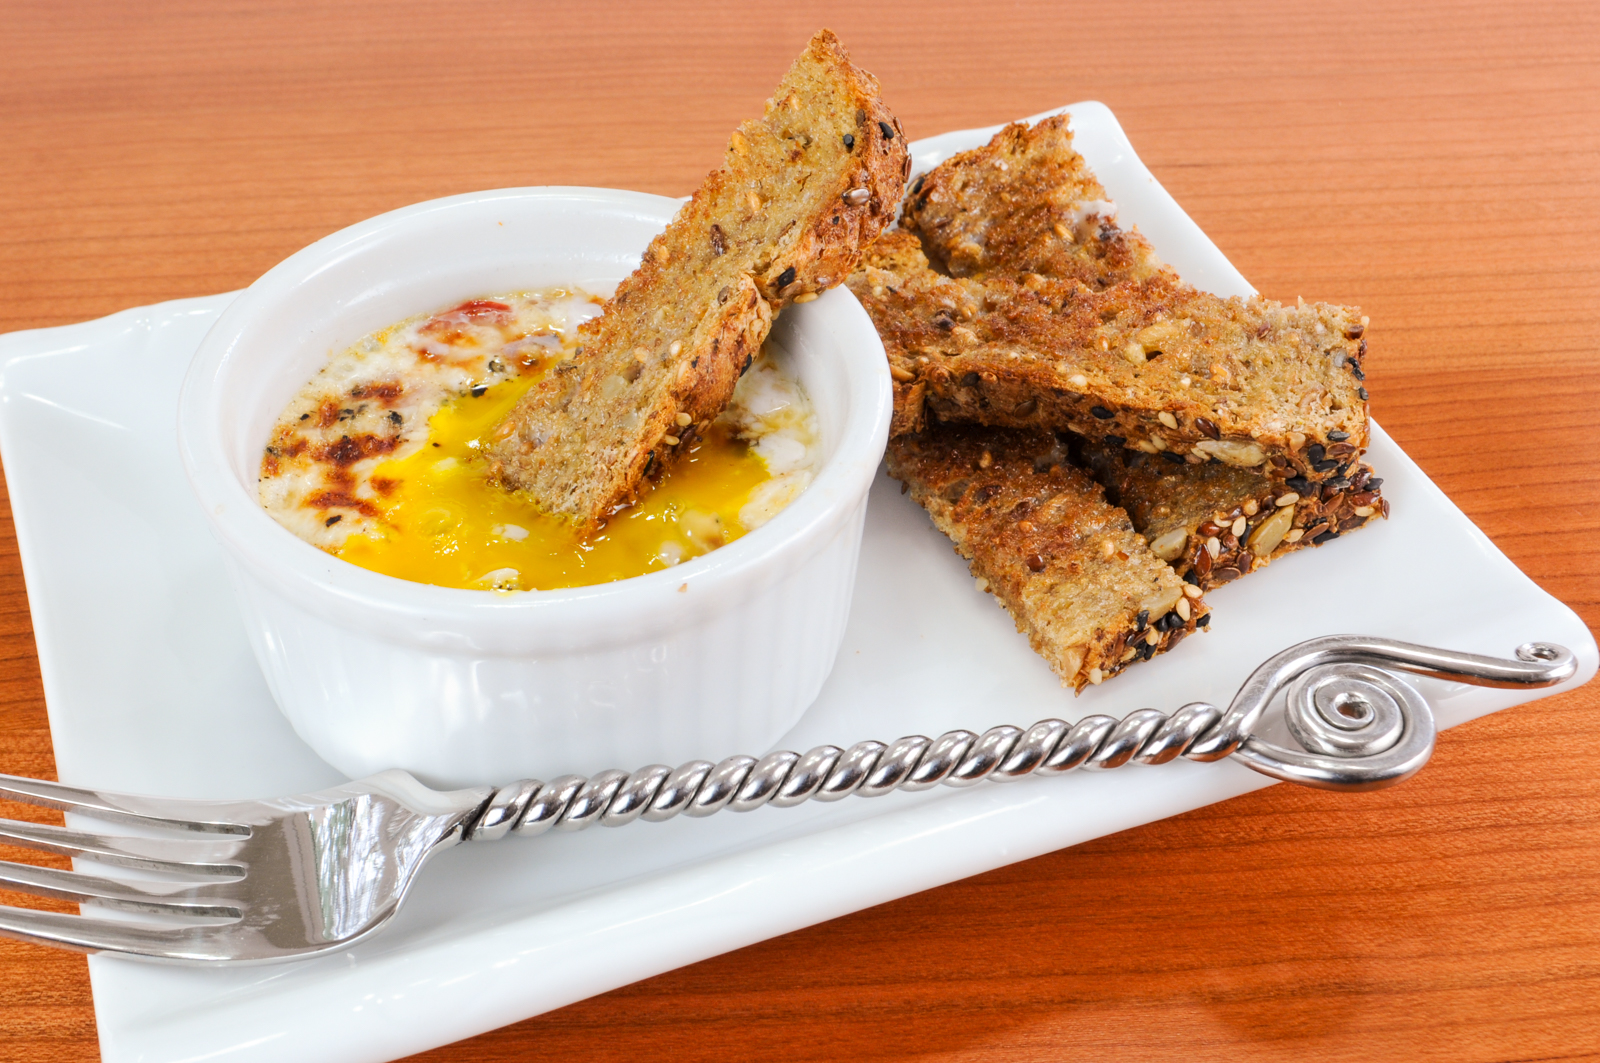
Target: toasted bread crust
[800,191]
[1179,508]
[1075,576]
[1153,364]
[1025,202]
[898,251]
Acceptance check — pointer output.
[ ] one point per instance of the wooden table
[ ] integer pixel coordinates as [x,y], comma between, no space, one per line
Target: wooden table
[1437,165]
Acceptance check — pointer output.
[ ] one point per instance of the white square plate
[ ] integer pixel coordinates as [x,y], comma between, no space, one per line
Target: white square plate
[151,688]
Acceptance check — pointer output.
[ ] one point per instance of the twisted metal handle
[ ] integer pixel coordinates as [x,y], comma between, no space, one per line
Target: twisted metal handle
[1361,728]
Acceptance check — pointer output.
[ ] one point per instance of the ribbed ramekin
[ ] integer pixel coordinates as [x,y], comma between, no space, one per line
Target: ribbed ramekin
[718,655]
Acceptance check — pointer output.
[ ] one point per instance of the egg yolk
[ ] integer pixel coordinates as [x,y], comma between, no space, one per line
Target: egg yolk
[444,523]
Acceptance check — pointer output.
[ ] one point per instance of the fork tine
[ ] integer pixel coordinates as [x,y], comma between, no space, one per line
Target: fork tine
[148,811]
[88,934]
[75,886]
[153,854]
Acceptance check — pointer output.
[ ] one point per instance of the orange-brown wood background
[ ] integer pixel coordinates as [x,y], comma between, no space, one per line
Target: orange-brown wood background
[1438,164]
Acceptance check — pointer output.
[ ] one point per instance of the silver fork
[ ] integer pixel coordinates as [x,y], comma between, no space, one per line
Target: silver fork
[204,882]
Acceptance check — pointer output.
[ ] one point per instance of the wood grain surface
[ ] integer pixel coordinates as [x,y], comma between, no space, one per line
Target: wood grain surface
[1439,164]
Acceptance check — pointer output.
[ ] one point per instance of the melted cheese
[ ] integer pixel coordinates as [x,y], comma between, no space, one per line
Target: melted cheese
[378,460]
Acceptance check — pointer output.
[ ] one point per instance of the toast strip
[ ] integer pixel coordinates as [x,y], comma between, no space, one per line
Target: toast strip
[1214,523]
[1152,364]
[801,190]
[1070,569]
[1026,203]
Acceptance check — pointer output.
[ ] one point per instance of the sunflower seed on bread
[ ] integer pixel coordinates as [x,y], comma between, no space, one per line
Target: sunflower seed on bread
[1214,523]
[801,190]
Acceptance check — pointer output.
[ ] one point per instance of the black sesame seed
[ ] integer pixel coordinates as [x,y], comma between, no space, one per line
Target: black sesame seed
[1298,484]
[1338,437]
[1324,466]
[1191,577]
[331,521]
[916,186]
[1141,620]
[1176,459]
[303,416]
[436,444]
[1363,393]
[478,391]
[1325,537]
[1356,369]
[1115,441]
[1146,651]
[1374,483]
[886,130]
[1101,412]
[1204,621]
[786,278]
[1316,452]
[849,142]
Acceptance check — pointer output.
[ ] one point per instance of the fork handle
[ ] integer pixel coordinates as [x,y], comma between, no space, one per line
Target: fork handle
[1359,726]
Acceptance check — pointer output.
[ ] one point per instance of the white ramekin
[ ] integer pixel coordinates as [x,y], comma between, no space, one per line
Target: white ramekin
[718,655]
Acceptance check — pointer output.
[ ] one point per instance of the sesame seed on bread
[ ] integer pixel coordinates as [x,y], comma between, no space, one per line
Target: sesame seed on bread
[801,190]
[1075,576]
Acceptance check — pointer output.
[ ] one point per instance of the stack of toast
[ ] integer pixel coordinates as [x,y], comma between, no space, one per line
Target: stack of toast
[1102,441]
[1058,388]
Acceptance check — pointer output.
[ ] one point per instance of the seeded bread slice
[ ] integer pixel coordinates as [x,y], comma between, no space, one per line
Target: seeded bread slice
[1070,569]
[1151,364]
[801,190]
[1214,523]
[1026,202]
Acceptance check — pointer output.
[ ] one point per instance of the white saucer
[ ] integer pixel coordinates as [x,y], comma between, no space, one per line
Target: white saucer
[152,688]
